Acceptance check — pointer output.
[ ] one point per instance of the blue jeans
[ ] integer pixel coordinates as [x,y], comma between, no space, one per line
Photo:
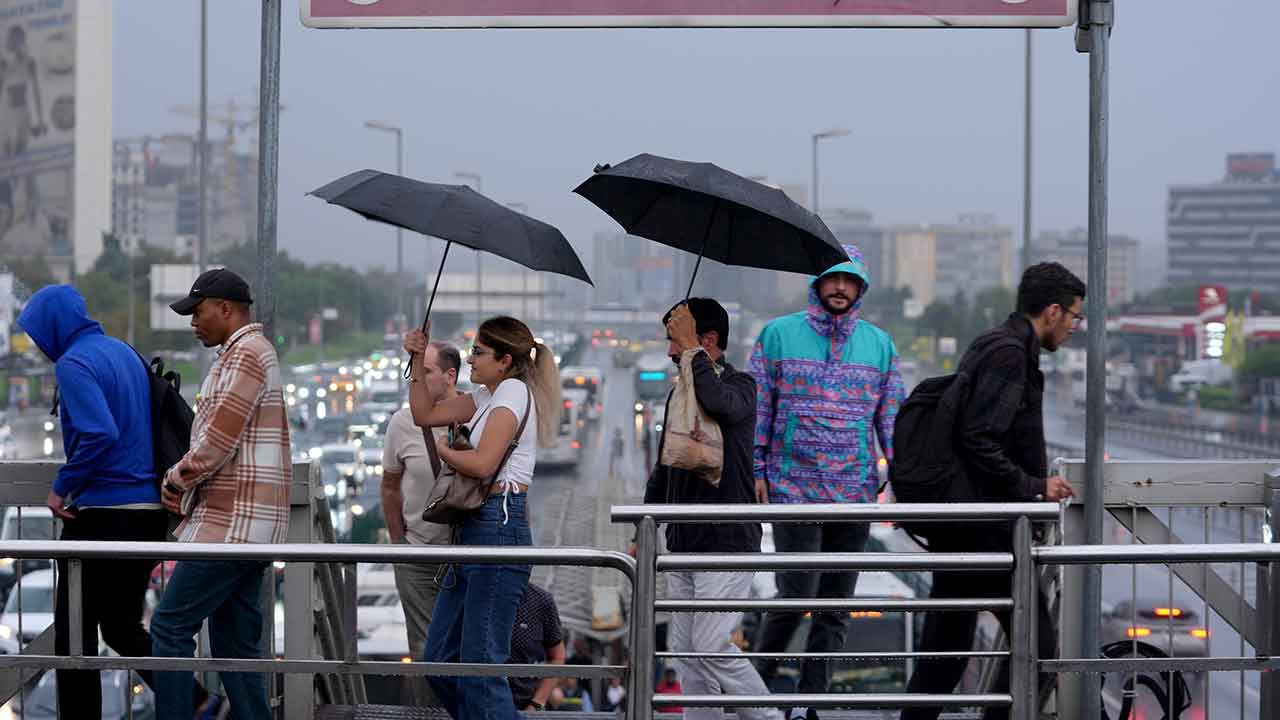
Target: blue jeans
[228,593]
[474,614]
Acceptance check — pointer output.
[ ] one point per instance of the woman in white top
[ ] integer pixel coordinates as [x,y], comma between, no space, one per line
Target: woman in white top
[477,605]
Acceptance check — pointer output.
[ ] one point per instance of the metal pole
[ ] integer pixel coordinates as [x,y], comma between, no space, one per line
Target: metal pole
[1269,601]
[1022,649]
[268,163]
[478,183]
[400,319]
[1100,18]
[1026,159]
[644,587]
[813,192]
[202,158]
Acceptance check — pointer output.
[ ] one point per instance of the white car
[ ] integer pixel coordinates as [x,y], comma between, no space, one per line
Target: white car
[36,599]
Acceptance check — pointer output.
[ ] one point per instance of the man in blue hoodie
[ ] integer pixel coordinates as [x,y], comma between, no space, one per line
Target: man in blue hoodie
[107,488]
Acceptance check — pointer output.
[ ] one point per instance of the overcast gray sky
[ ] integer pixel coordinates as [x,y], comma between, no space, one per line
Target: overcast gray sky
[936,115]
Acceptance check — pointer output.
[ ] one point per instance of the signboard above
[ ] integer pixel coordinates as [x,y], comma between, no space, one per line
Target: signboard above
[685,13]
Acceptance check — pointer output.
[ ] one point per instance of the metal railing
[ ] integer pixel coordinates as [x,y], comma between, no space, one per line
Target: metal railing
[643,699]
[1236,486]
[76,552]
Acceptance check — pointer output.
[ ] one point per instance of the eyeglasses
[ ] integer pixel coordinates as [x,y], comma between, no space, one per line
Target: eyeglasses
[1076,318]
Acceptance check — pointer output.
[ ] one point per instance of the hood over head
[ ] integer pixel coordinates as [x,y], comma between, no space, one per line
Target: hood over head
[839,327]
[55,317]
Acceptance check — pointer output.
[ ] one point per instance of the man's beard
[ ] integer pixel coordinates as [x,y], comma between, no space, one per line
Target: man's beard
[837,312]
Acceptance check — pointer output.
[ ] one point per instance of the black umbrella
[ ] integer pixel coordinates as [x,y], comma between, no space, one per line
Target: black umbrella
[455,214]
[705,209]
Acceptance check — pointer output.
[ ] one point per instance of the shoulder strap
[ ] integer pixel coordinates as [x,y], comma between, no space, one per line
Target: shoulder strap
[429,439]
[515,439]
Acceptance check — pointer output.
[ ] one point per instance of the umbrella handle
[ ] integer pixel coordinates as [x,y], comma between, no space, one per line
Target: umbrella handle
[439,272]
[706,234]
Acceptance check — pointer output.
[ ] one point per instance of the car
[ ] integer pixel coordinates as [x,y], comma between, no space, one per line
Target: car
[36,601]
[41,701]
[37,524]
[1169,627]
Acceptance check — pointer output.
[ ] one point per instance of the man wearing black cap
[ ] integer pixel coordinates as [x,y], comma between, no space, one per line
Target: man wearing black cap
[232,487]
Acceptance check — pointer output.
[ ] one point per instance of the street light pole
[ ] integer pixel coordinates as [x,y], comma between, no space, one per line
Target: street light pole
[478,182]
[399,283]
[1026,159]
[524,276]
[824,135]
[202,158]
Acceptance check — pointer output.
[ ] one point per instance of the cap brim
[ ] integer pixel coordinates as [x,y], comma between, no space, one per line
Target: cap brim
[186,305]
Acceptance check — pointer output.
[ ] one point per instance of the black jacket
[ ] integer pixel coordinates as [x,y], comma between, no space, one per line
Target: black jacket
[730,400]
[1000,437]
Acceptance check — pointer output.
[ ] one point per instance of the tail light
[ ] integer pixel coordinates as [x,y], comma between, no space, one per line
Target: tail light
[1168,612]
[1200,634]
[859,614]
[1138,632]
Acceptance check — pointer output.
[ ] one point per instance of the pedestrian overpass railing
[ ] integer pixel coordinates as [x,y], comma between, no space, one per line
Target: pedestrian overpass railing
[306,658]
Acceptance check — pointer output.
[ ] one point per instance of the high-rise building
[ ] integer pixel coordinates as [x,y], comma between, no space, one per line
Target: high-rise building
[156,194]
[914,259]
[1071,248]
[941,261]
[1228,232]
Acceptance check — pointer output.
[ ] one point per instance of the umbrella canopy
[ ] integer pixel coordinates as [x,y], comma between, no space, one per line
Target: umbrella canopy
[456,214]
[705,209]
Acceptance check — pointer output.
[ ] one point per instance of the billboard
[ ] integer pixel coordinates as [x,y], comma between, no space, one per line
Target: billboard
[55,130]
[686,13]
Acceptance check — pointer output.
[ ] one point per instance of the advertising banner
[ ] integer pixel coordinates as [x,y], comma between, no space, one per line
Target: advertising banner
[687,13]
[37,127]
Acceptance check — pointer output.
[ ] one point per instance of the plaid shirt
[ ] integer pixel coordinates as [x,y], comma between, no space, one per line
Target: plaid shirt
[235,479]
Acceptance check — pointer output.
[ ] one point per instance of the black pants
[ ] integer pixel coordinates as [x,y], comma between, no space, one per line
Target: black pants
[113,596]
[827,631]
[953,631]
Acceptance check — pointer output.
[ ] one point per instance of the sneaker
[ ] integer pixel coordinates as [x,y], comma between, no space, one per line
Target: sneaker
[798,713]
[209,709]
[811,714]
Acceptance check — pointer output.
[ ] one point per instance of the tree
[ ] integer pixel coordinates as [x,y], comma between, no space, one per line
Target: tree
[1261,362]
[32,272]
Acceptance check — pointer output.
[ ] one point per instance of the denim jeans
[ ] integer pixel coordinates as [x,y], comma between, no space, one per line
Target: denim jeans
[827,630]
[475,612]
[228,593]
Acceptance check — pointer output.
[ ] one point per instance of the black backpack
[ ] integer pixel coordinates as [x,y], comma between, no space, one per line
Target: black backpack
[171,417]
[925,467]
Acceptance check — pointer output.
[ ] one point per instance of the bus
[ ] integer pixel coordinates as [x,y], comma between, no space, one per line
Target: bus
[654,375]
[567,451]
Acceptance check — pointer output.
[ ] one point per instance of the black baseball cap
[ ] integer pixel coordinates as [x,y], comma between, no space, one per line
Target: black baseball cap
[220,284]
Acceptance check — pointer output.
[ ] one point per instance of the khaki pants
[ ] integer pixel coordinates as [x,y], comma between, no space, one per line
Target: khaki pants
[418,589]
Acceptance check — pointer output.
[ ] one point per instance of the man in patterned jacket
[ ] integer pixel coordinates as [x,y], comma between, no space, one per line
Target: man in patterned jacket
[232,487]
[828,393]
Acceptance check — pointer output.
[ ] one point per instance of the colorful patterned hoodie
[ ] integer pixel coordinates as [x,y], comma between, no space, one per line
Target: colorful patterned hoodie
[828,388]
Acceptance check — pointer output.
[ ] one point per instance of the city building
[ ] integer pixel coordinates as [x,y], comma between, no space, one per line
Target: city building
[941,261]
[914,259]
[156,194]
[1228,232]
[1071,248]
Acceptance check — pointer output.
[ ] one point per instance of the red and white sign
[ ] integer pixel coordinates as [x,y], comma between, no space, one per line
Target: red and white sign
[686,13]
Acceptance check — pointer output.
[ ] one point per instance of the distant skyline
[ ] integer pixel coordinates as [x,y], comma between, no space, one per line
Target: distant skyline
[936,115]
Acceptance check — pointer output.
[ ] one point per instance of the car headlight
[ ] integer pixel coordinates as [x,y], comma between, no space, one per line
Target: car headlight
[6,632]
[6,562]
[315,453]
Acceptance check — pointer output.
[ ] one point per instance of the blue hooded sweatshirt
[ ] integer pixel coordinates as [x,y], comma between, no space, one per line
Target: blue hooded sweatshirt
[105,406]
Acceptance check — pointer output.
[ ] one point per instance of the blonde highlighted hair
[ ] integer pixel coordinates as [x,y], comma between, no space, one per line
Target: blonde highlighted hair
[531,362]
